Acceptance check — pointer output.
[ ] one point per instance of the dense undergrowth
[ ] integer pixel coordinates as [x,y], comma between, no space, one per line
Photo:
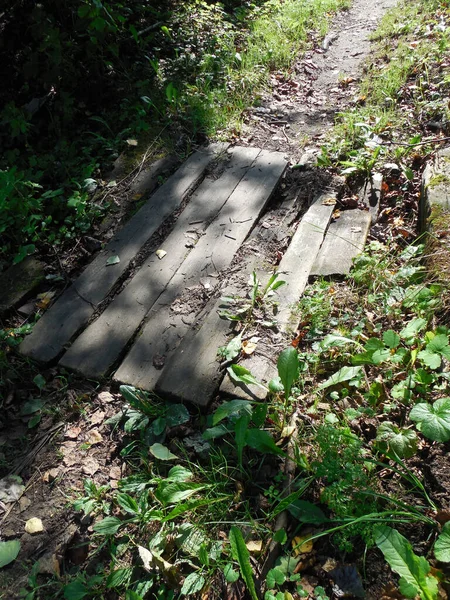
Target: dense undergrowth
[84,81]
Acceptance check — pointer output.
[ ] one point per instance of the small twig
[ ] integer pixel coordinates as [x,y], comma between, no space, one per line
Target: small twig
[424,143]
[83,298]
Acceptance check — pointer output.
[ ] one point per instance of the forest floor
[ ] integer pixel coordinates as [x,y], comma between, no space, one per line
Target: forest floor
[61,441]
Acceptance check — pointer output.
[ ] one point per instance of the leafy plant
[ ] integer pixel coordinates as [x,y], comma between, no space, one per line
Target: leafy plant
[415,571]
[433,420]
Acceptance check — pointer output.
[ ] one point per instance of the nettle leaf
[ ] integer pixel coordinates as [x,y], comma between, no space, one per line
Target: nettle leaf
[412,569]
[288,368]
[229,408]
[261,440]
[344,374]
[240,553]
[192,584]
[442,545]
[433,421]
[402,442]
[391,339]
[108,526]
[8,552]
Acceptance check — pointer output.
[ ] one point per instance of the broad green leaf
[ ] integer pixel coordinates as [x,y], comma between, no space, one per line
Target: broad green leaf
[230,574]
[171,492]
[243,375]
[192,584]
[232,407]
[39,380]
[275,577]
[108,526]
[162,452]
[390,438]
[240,430]
[76,590]
[391,339]
[8,552]
[409,333]
[215,432]
[344,374]
[280,536]
[159,425]
[177,414]
[288,368]
[259,414]
[275,385]
[433,421]
[412,569]
[431,359]
[333,340]
[179,473]
[119,577]
[233,348]
[261,440]
[31,406]
[380,356]
[241,554]
[373,344]
[128,503]
[306,512]
[442,545]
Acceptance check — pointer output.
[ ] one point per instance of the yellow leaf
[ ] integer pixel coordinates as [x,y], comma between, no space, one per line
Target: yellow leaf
[300,546]
[132,142]
[329,202]
[248,347]
[254,546]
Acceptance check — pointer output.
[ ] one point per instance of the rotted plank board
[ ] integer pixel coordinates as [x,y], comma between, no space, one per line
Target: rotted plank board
[213,252]
[96,350]
[77,304]
[294,269]
[345,239]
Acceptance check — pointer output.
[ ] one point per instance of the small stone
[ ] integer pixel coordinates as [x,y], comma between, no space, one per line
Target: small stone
[24,503]
[34,525]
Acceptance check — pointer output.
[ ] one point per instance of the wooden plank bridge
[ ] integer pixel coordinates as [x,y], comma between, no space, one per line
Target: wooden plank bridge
[122,320]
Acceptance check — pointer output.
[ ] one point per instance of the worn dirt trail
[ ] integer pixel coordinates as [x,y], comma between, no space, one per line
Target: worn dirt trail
[300,109]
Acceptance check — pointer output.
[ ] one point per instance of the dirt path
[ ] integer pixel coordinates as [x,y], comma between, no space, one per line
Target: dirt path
[324,82]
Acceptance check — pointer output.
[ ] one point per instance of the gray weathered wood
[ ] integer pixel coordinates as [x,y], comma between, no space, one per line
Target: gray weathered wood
[297,262]
[345,239]
[99,346]
[77,304]
[213,252]
[294,269]
[19,281]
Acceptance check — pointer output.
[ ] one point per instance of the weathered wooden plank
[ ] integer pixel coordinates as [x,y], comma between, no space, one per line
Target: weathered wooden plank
[96,350]
[294,269]
[297,262]
[77,304]
[213,252]
[19,281]
[345,239]
[370,194]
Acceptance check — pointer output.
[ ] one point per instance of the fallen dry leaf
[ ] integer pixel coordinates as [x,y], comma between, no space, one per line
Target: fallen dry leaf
[132,142]
[90,466]
[97,417]
[329,202]
[248,347]
[44,299]
[94,437]
[300,546]
[73,432]
[254,546]
[24,503]
[115,473]
[49,565]
[160,253]
[336,214]
[105,397]
[34,525]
